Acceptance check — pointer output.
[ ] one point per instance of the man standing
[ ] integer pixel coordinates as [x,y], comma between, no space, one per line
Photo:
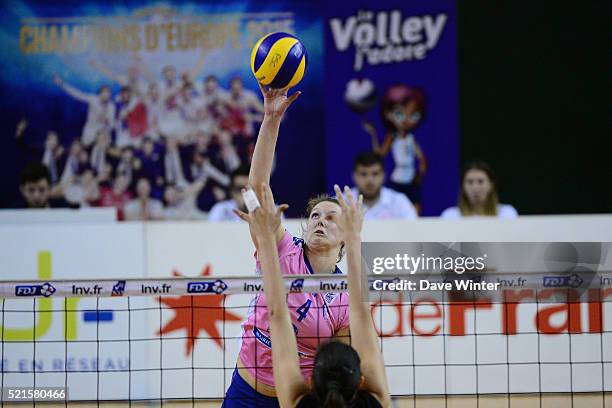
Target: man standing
[224,210]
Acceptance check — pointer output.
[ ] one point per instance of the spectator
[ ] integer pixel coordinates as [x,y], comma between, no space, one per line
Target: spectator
[170,121]
[143,207]
[128,164]
[134,78]
[478,195]
[227,151]
[101,112]
[132,121]
[51,154]
[189,108]
[105,177]
[83,191]
[151,164]
[180,203]
[100,151]
[224,210]
[216,182]
[211,95]
[173,166]
[35,187]
[154,105]
[244,108]
[74,162]
[379,202]
[116,195]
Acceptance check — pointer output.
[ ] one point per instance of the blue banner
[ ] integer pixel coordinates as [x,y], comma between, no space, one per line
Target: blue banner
[391,85]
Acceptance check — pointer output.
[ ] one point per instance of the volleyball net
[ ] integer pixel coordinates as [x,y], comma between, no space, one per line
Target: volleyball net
[142,340]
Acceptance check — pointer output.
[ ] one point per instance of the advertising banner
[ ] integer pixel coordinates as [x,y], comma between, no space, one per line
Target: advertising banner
[391,85]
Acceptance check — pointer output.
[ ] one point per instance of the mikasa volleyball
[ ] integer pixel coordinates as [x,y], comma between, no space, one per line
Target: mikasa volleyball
[279,60]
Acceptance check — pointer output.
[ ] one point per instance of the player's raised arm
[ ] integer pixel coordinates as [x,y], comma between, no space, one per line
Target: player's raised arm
[276,103]
[363,335]
[263,222]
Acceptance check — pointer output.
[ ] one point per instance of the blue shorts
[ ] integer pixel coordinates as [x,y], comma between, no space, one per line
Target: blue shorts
[241,395]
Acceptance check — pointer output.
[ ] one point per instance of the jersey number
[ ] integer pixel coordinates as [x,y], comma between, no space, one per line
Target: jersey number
[302,311]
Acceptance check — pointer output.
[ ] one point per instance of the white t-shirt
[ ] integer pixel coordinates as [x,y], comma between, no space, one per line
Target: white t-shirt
[222,211]
[503,211]
[133,210]
[390,205]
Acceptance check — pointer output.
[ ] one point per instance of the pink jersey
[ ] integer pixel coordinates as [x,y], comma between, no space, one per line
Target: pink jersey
[316,317]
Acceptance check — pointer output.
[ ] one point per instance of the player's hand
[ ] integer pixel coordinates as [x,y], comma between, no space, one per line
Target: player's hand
[264,220]
[276,101]
[351,219]
[58,80]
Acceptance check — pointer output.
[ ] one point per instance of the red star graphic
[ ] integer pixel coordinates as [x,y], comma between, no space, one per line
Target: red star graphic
[209,310]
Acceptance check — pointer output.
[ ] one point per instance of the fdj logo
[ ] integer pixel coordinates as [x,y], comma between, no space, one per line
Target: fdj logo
[572,281]
[46,290]
[44,307]
[217,287]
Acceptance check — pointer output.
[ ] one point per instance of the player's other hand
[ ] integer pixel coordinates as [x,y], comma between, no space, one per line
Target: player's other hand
[276,101]
[351,219]
[58,80]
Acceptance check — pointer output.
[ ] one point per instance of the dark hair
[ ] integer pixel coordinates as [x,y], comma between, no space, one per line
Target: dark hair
[34,172]
[242,170]
[490,205]
[211,78]
[336,374]
[125,88]
[367,159]
[103,87]
[400,94]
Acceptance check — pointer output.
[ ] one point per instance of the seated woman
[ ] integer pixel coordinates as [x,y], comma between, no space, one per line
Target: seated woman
[478,195]
[343,376]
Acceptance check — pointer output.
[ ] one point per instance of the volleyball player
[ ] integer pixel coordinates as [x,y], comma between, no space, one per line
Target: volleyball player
[315,318]
[343,376]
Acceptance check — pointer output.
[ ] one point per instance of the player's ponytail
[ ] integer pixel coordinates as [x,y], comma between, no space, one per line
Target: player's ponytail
[336,374]
[334,398]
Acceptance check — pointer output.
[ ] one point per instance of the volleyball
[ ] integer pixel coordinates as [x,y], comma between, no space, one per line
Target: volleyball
[279,60]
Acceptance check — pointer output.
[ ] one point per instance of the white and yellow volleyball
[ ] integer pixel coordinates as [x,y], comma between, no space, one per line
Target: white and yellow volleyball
[279,60]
